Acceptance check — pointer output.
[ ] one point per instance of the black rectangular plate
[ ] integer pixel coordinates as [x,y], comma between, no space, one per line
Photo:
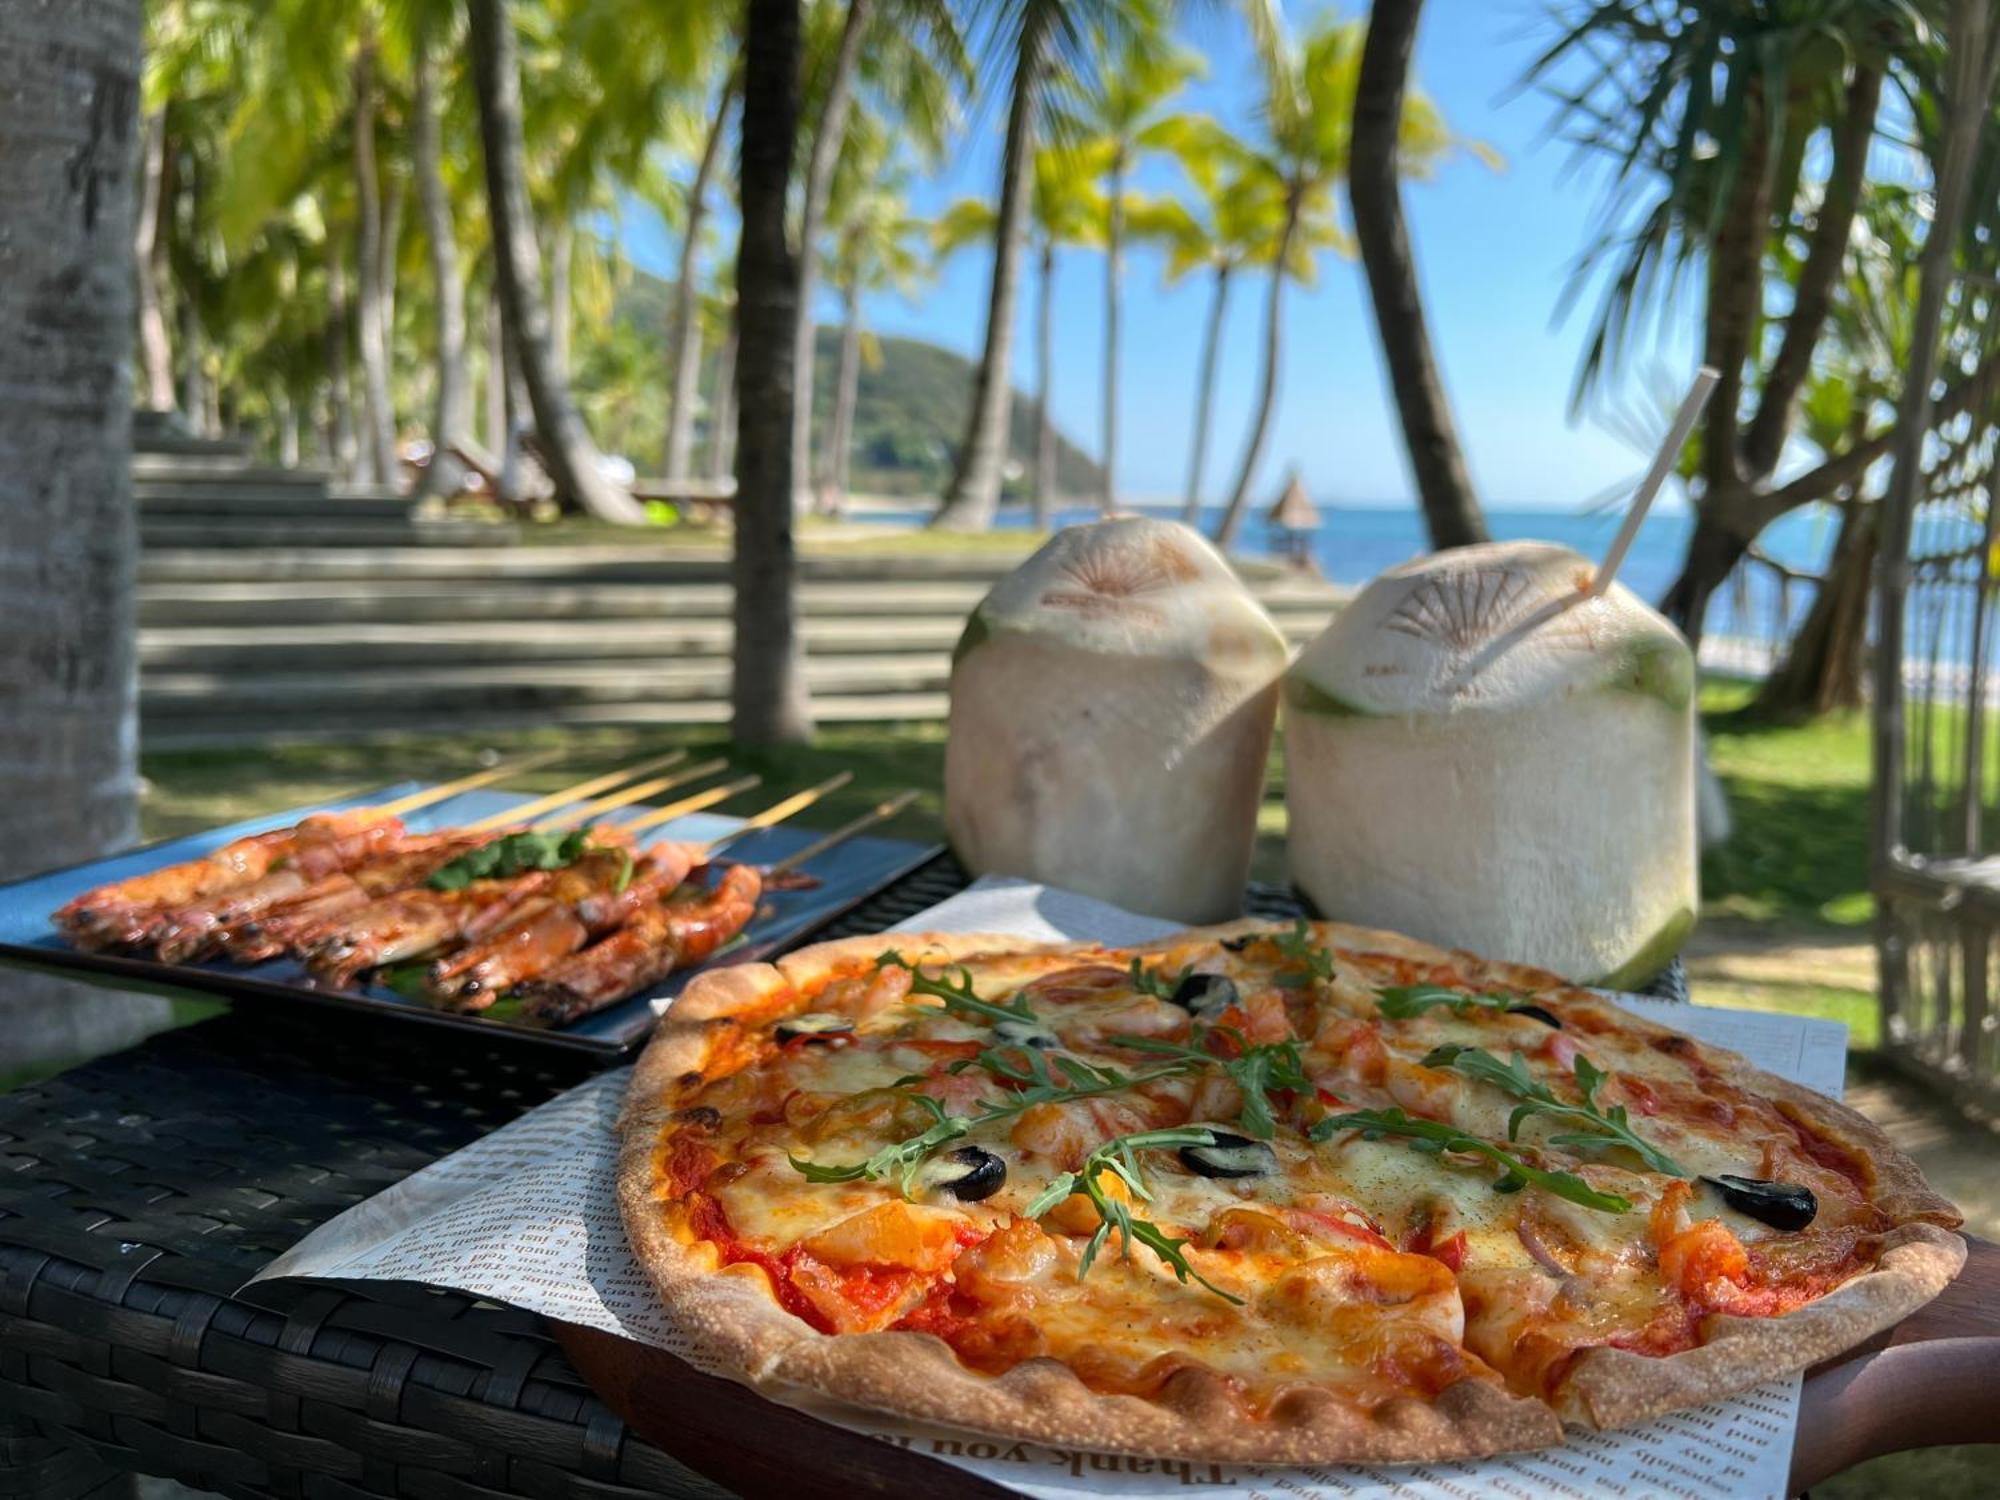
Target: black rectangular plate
[847,875]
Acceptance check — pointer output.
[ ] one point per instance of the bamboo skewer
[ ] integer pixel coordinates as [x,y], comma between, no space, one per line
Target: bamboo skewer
[566,795]
[591,811]
[431,796]
[777,812]
[697,803]
[881,812]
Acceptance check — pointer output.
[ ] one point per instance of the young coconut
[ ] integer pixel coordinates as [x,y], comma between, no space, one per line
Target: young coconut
[1112,702]
[1478,755]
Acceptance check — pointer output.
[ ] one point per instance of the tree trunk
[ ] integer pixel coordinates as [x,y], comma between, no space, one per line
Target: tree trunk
[69,90]
[193,404]
[156,347]
[562,246]
[768,692]
[683,331]
[723,428]
[828,137]
[378,446]
[394,205]
[1267,387]
[1045,387]
[1451,510]
[340,394]
[1825,263]
[1204,401]
[1822,670]
[451,416]
[1714,549]
[840,436]
[974,493]
[287,413]
[496,377]
[565,445]
[1735,303]
[1114,251]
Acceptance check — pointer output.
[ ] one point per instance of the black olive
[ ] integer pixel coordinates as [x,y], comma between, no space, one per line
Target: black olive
[1230,1155]
[1205,994]
[1782,1205]
[969,1174]
[815,1026]
[1535,1013]
[1026,1034]
[1238,944]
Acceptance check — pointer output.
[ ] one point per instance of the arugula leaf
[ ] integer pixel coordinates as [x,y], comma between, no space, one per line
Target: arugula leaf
[901,1159]
[959,998]
[1114,1215]
[1597,1127]
[1255,1070]
[1157,985]
[516,854]
[1403,1001]
[1298,947]
[1435,1137]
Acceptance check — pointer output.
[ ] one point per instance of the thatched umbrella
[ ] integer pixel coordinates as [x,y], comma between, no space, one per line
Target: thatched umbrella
[1296,518]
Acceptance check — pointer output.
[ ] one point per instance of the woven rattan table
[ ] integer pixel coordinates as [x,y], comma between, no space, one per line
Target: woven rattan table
[138,1192]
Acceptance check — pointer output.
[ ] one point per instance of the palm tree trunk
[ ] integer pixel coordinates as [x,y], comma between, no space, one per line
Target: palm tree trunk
[340,386]
[451,416]
[193,403]
[287,412]
[379,438]
[156,348]
[847,386]
[496,376]
[562,246]
[394,204]
[723,427]
[827,138]
[1735,304]
[1204,400]
[974,493]
[1713,551]
[69,86]
[768,692]
[1267,387]
[1451,510]
[1114,249]
[683,332]
[1822,668]
[1045,385]
[566,447]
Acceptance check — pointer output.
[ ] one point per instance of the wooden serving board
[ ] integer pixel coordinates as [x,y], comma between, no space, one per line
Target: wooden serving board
[1931,1380]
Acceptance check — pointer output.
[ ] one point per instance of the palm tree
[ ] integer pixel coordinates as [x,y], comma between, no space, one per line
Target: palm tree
[451,421]
[874,248]
[566,447]
[379,444]
[1065,209]
[684,337]
[1390,129]
[768,699]
[1121,114]
[68,778]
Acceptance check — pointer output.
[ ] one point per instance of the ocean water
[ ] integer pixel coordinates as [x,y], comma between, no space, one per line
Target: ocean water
[1353,544]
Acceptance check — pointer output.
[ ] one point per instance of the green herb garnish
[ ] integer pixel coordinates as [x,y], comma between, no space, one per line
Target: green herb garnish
[515,854]
[1158,986]
[1434,1137]
[1403,1001]
[1298,947]
[959,997]
[1114,1215]
[1039,1079]
[1597,1128]
[1256,1070]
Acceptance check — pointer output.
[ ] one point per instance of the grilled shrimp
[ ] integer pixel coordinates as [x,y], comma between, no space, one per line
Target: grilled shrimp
[282,925]
[411,924]
[660,938]
[590,897]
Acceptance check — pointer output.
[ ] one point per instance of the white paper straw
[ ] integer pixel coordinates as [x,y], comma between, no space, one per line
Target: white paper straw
[1663,465]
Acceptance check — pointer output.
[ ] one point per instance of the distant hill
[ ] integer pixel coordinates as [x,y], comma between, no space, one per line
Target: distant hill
[909,409]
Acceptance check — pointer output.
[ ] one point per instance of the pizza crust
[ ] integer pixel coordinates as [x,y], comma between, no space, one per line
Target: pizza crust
[733,1321]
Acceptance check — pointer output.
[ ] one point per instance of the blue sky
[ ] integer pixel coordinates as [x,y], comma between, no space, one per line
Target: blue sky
[1494,249]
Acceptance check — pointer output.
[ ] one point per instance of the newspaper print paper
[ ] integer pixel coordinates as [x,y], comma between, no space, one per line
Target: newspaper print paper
[528,1216]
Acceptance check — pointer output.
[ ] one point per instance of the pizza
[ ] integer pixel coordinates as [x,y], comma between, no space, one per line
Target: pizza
[1256,1192]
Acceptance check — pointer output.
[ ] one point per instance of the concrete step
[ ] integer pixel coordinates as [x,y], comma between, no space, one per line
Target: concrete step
[204,536]
[363,724]
[176,463]
[580,564]
[360,648]
[420,602]
[436,696]
[245,485]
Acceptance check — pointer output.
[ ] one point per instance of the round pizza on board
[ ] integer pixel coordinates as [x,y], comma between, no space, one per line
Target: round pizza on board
[1288,1194]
